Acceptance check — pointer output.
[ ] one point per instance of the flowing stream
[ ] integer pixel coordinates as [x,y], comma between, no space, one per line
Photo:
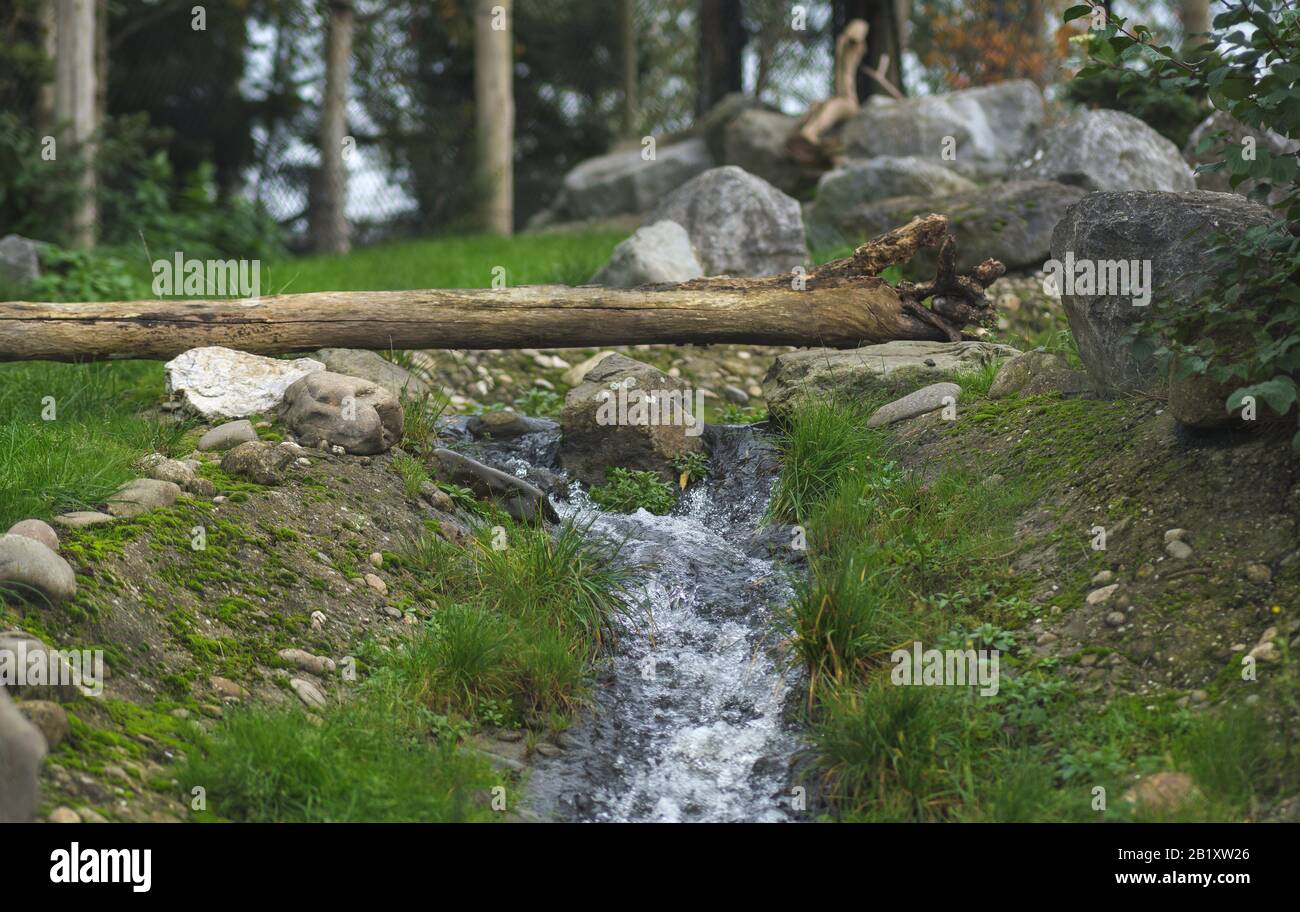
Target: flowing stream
[690,721]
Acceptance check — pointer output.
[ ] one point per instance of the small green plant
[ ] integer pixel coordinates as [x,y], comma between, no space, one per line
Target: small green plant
[691,467]
[742,414]
[628,490]
[541,402]
[414,475]
[421,414]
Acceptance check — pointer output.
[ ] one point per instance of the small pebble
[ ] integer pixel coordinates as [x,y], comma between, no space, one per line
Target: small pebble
[1178,549]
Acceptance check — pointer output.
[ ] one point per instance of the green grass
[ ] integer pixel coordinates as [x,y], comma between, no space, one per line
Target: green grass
[896,557]
[629,490]
[448,262]
[369,759]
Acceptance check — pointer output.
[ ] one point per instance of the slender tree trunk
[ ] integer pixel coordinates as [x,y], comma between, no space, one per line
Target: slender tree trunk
[330,222]
[74,104]
[1195,18]
[720,53]
[495,112]
[840,304]
[44,118]
[631,102]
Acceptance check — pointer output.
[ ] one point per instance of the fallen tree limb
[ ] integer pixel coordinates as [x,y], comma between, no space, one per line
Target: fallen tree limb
[842,304]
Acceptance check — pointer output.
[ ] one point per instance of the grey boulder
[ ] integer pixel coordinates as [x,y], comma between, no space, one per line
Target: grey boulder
[919,402]
[327,409]
[258,461]
[738,224]
[1010,222]
[853,374]
[22,747]
[1110,150]
[20,260]
[628,182]
[29,568]
[841,192]
[991,127]
[755,140]
[603,426]
[141,496]
[1174,233]
[368,365]
[654,253]
[226,436]
[1038,373]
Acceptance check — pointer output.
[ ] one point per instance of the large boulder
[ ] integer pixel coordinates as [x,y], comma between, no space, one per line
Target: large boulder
[992,127]
[852,374]
[1173,232]
[1235,132]
[20,260]
[34,571]
[654,253]
[328,410]
[22,747]
[368,365]
[739,224]
[1110,150]
[712,127]
[755,141]
[1011,222]
[629,415]
[221,382]
[845,190]
[623,182]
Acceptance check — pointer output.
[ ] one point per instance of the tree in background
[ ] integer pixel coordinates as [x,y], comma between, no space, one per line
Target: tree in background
[720,68]
[329,204]
[494,110]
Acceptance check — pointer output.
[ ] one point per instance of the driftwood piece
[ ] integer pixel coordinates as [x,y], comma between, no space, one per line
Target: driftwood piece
[806,143]
[841,304]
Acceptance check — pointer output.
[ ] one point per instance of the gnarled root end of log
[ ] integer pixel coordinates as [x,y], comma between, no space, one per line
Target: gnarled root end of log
[956,301]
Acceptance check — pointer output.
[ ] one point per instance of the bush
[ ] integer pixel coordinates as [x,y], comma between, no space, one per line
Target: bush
[628,490]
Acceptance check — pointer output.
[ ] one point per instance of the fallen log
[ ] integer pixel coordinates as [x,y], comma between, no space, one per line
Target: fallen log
[841,304]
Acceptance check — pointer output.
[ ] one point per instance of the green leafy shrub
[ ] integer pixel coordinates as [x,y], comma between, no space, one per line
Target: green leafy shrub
[628,490]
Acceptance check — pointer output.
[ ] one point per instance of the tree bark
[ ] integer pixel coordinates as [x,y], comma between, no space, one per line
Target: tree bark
[495,113]
[841,304]
[720,54]
[74,104]
[631,112]
[330,232]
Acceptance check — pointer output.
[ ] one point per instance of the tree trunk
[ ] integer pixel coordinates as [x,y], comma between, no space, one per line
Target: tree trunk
[45,103]
[329,221]
[840,304]
[1195,18]
[631,114]
[495,112]
[74,104]
[720,54]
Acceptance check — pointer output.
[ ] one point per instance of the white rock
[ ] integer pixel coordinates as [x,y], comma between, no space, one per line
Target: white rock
[220,382]
[30,568]
[1097,596]
[308,692]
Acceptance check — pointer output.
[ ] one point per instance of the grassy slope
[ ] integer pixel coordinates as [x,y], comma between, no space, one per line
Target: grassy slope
[520,632]
[901,554]
[73,461]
